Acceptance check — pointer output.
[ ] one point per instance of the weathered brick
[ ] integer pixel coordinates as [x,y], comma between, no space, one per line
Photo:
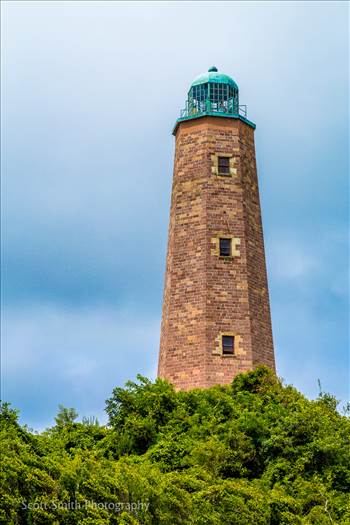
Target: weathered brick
[205,295]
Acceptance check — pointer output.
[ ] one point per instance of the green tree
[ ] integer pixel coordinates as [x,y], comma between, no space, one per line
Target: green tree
[255,451]
[65,416]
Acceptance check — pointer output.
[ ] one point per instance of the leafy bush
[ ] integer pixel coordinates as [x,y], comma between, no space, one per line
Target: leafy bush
[254,451]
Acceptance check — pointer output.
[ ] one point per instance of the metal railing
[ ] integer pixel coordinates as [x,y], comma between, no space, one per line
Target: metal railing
[226,107]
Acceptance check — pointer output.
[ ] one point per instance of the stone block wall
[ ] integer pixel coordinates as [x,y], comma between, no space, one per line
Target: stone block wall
[207,295]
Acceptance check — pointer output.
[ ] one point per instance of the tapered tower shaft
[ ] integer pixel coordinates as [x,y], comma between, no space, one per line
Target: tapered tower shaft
[216,315]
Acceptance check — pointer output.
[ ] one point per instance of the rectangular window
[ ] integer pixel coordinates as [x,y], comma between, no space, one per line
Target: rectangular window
[225,247]
[224,165]
[228,344]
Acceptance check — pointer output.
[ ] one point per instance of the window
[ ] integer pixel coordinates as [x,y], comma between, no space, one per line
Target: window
[225,247]
[224,165]
[228,344]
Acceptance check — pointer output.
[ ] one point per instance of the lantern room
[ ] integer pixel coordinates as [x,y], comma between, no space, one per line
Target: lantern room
[214,94]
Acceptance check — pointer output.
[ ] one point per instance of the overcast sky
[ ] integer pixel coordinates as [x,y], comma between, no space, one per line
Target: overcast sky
[90,93]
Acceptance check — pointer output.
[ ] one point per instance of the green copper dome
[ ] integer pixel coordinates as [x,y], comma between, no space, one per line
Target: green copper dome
[213,76]
[213,94]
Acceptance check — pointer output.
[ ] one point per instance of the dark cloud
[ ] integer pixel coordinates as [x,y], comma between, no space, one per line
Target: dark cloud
[90,94]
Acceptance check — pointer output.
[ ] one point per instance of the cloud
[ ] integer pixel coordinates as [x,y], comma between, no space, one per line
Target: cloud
[290,261]
[311,348]
[90,95]
[309,298]
[55,355]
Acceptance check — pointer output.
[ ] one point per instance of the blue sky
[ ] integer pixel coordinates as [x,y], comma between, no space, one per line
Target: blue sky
[90,93]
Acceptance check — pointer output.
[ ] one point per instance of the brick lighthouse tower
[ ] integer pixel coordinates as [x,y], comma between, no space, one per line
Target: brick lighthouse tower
[216,313]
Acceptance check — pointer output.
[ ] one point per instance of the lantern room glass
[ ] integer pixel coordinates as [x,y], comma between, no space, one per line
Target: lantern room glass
[212,98]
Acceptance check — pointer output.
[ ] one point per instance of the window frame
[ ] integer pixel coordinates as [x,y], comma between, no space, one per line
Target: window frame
[223,170]
[229,240]
[231,351]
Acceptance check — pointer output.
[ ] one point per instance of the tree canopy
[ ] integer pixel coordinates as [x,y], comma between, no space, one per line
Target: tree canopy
[253,452]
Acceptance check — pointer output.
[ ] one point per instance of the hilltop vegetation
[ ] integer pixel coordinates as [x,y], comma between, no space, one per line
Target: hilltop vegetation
[254,452]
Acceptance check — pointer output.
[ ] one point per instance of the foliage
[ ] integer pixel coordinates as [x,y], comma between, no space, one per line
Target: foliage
[65,416]
[255,451]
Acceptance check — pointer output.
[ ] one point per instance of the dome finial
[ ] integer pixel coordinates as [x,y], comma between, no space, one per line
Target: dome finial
[212,68]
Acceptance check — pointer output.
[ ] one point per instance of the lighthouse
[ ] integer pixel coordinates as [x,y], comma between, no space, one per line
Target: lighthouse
[216,318]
